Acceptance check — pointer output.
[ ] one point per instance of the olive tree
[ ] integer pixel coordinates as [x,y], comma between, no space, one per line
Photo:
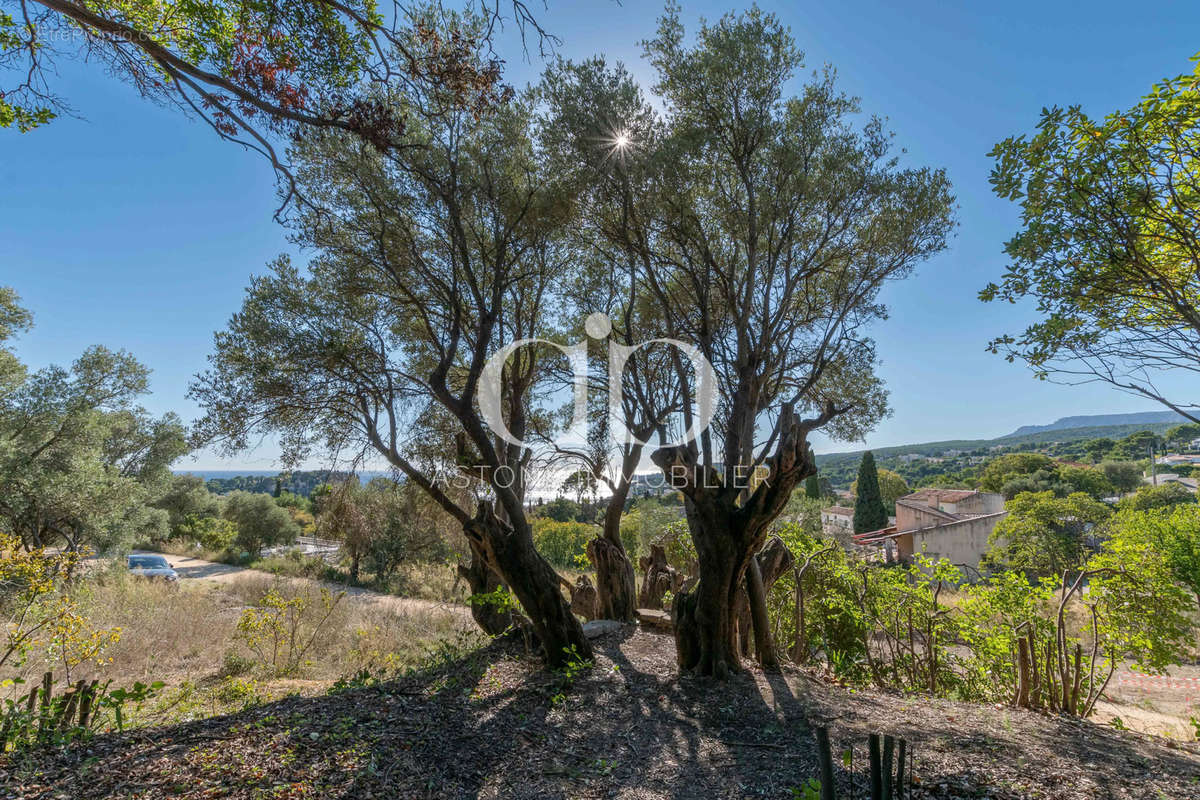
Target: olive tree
[80,460]
[430,262]
[777,222]
[599,131]
[261,71]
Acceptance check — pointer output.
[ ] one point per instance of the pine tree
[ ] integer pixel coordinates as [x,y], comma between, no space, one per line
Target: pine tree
[812,487]
[869,512]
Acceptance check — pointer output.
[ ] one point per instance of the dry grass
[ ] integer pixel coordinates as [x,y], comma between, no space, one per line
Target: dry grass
[186,636]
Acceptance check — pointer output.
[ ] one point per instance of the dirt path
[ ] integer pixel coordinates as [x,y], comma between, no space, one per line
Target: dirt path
[191,569]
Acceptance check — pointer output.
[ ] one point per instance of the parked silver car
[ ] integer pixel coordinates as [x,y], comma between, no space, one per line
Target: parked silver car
[151,566]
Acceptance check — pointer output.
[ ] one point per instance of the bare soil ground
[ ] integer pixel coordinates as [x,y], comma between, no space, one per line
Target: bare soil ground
[1163,705]
[493,725]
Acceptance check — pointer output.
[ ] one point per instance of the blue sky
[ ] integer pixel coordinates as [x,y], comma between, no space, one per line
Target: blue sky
[135,227]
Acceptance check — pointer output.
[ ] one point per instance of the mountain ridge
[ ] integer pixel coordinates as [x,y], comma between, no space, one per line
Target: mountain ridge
[1101,420]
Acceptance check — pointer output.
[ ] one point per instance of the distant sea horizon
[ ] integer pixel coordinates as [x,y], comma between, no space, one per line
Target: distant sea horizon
[208,474]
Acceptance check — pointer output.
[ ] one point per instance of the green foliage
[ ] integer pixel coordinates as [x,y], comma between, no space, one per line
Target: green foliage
[812,487]
[891,488]
[382,524]
[1016,473]
[811,790]
[676,541]
[1182,435]
[629,532]
[279,62]
[648,520]
[259,522]
[501,600]
[211,533]
[582,483]
[1166,495]
[1107,248]
[1125,476]
[1044,534]
[1171,531]
[964,646]
[993,614]
[562,543]
[560,509]
[280,631]
[187,500]
[804,511]
[1099,449]
[574,666]
[39,611]
[80,461]
[1141,610]
[870,513]
[1092,482]
[41,718]
[830,622]
[286,499]
[1000,471]
[304,483]
[1137,446]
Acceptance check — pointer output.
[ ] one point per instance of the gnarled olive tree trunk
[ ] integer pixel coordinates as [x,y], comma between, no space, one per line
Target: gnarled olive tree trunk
[706,617]
[616,589]
[767,566]
[728,525]
[508,545]
[491,616]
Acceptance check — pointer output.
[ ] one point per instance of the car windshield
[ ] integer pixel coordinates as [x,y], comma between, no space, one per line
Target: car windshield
[148,562]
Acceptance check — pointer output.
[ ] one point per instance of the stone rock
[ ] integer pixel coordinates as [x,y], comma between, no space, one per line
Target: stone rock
[654,619]
[601,627]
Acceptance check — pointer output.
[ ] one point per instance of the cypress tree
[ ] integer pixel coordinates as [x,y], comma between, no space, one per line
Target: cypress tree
[869,512]
[812,487]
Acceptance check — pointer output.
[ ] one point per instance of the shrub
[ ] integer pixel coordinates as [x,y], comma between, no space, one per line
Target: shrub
[676,541]
[40,613]
[289,500]
[560,509]
[211,533]
[259,521]
[892,626]
[281,631]
[39,717]
[562,543]
[1164,496]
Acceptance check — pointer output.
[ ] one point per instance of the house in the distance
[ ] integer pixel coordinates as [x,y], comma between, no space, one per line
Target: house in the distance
[1163,478]
[941,523]
[837,520]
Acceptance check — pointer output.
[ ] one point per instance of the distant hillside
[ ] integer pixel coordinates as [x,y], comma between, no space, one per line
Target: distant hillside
[301,482]
[1102,420]
[841,468]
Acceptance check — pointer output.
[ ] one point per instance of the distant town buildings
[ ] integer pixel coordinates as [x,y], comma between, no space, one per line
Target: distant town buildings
[1163,479]
[1179,460]
[837,520]
[954,524]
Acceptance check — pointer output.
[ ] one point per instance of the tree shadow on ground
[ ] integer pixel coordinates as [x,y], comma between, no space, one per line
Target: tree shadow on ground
[491,723]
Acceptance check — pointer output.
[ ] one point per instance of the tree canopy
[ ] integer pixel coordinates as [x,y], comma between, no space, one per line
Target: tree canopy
[80,460]
[892,487]
[1044,534]
[870,511]
[1109,243]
